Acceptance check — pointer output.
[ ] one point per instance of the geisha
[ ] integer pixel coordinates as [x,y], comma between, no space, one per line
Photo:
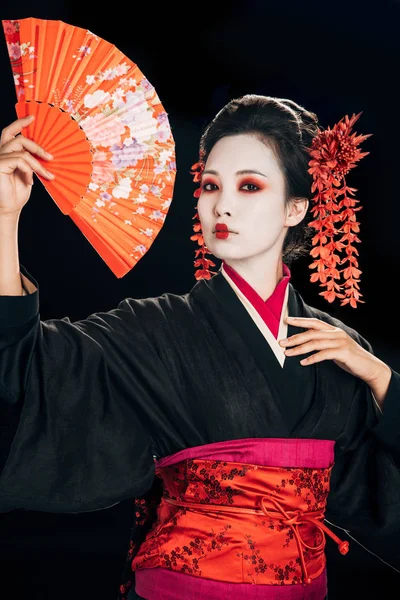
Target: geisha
[247,425]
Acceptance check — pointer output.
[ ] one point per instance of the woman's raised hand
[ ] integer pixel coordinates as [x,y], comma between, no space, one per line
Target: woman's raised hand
[17,166]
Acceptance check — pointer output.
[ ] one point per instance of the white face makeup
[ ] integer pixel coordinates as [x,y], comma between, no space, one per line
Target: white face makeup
[243,187]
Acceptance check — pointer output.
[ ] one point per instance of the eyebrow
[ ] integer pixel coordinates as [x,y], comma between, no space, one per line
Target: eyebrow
[241,172]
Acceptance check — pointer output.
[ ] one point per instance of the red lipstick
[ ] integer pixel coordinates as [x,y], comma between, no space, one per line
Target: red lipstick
[221,231]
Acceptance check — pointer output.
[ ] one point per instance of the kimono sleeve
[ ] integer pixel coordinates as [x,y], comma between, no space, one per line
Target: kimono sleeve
[365,487]
[71,406]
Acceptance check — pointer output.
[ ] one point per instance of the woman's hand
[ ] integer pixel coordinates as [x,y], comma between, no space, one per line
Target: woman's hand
[17,165]
[332,343]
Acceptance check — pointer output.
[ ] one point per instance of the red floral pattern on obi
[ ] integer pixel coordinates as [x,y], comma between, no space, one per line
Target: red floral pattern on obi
[238,522]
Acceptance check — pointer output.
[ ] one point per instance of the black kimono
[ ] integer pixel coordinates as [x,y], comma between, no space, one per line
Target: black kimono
[87,406]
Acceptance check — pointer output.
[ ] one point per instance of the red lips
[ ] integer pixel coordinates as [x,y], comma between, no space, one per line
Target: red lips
[221,231]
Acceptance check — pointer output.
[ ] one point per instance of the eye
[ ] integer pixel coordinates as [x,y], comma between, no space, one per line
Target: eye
[209,187]
[251,187]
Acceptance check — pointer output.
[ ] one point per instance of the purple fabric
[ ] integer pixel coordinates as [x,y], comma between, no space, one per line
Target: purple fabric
[162,584]
[267,452]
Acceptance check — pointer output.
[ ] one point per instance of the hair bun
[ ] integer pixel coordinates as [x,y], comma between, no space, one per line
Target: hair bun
[308,121]
[308,117]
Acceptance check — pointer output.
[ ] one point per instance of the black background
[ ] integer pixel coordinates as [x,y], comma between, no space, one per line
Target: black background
[333,58]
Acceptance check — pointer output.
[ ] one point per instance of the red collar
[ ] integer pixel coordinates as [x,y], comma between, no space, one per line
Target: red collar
[270,310]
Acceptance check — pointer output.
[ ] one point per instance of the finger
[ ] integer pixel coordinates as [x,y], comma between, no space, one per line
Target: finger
[18,164]
[20,142]
[318,357]
[12,161]
[313,345]
[14,129]
[312,323]
[27,172]
[300,338]
[8,164]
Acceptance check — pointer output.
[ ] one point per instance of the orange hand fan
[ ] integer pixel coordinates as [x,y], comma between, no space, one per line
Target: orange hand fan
[95,111]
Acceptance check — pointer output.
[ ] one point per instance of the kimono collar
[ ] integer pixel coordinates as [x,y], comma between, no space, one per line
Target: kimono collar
[270,310]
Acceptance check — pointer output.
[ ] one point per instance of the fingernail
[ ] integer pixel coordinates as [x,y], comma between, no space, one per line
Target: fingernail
[50,175]
[48,154]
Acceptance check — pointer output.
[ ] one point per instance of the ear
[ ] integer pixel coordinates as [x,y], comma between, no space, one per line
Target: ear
[296,211]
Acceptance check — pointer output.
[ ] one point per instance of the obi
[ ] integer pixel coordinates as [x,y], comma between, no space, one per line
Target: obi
[244,517]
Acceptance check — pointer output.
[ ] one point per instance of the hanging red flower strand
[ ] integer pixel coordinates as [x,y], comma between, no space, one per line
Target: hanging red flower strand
[202,264]
[334,153]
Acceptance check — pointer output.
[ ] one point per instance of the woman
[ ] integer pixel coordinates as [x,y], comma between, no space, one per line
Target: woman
[195,404]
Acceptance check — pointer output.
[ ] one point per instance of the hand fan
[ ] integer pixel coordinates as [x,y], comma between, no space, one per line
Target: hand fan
[95,111]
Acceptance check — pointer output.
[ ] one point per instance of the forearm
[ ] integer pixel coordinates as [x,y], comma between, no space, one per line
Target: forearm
[380,384]
[12,283]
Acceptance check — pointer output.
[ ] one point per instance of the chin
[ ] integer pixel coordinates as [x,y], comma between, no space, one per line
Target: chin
[223,253]
[223,249]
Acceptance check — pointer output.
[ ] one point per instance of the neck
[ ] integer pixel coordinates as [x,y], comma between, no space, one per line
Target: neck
[262,277]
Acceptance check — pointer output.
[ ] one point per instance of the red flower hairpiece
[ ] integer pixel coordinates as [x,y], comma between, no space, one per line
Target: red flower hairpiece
[334,152]
[203,263]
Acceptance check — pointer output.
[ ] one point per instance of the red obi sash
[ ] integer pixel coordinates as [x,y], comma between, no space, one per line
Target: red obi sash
[245,513]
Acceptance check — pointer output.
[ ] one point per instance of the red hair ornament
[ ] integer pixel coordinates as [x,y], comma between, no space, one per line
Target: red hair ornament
[334,153]
[202,263]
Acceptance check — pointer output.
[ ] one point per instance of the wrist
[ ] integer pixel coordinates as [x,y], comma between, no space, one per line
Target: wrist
[9,220]
[383,372]
[379,383]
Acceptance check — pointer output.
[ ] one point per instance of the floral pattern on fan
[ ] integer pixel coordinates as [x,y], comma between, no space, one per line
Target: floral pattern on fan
[127,170]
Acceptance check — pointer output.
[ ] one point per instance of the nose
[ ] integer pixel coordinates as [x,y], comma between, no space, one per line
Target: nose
[223,204]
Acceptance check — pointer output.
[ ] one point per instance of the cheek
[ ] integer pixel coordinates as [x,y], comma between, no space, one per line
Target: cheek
[274,209]
[200,206]
[203,208]
[266,219]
